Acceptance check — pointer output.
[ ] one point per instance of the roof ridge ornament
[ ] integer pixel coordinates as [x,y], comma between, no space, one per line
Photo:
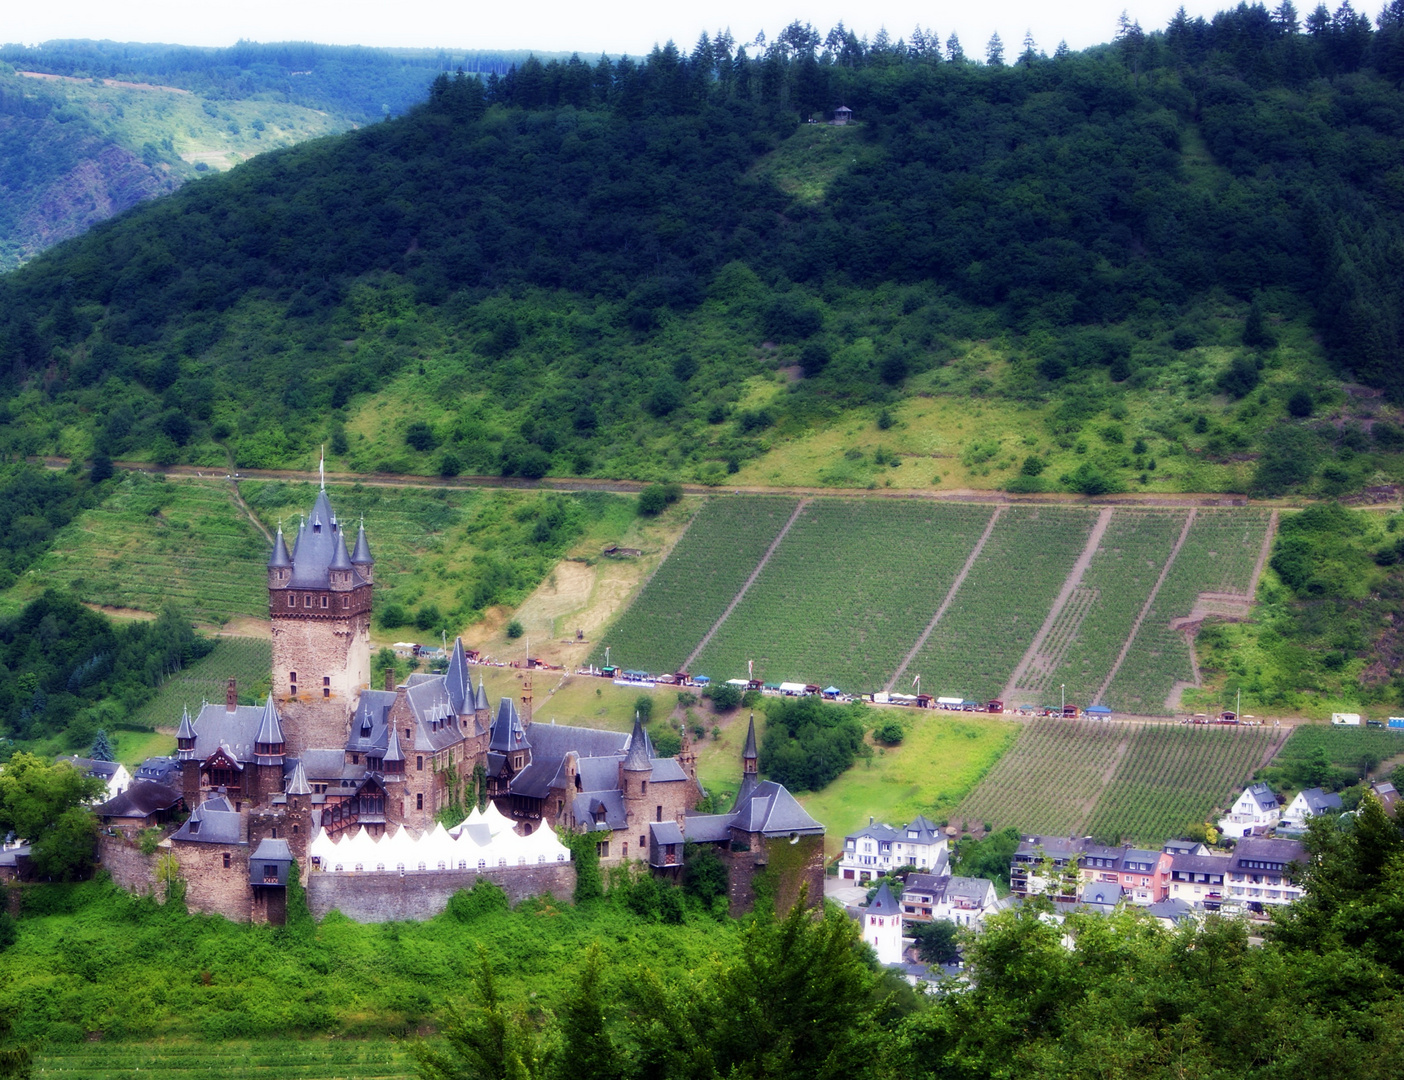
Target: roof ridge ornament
[322,467]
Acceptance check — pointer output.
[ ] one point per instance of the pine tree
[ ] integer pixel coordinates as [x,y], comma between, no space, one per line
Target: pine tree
[102,748]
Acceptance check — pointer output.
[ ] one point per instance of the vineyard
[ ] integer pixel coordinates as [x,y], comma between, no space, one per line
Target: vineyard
[853,585]
[1141,783]
[1215,561]
[1003,601]
[283,1059]
[1345,747]
[847,592]
[693,586]
[1173,776]
[154,543]
[246,660]
[1082,646]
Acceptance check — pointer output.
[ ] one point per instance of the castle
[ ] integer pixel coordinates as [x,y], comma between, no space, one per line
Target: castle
[326,760]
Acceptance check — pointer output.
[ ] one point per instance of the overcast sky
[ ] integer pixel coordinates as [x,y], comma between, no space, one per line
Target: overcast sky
[631,26]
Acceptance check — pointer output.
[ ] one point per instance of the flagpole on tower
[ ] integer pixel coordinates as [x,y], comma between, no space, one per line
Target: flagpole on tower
[322,467]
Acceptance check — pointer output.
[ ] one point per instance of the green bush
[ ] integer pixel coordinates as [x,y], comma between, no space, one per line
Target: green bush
[514,630]
[725,697]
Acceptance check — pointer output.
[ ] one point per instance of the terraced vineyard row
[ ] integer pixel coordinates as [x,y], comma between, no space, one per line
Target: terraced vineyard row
[245,660]
[847,592]
[1050,780]
[1081,650]
[1218,556]
[154,543]
[1173,776]
[217,1059]
[693,586]
[1003,601]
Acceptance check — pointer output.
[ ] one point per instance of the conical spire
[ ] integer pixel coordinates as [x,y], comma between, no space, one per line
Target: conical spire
[187,726]
[280,559]
[297,782]
[507,731]
[268,743]
[340,560]
[480,699]
[457,681]
[362,555]
[750,754]
[637,759]
[392,749]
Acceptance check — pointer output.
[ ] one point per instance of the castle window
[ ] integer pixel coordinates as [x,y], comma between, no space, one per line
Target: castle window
[226,860]
[326,692]
[355,759]
[660,814]
[292,676]
[324,601]
[326,680]
[419,763]
[307,600]
[624,854]
[419,800]
[602,849]
[294,830]
[645,787]
[292,600]
[643,842]
[346,601]
[275,833]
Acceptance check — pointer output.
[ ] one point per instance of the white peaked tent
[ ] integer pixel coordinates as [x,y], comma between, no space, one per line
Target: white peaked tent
[484,840]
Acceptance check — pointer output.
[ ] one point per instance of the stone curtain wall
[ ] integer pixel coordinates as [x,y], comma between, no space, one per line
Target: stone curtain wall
[422,894]
[130,869]
[210,886]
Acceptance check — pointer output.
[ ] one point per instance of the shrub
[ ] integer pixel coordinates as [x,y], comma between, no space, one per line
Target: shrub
[889,732]
[392,617]
[1033,465]
[514,630]
[420,436]
[1300,404]
[643,707]
[725,697]
[655,498]
[450,464]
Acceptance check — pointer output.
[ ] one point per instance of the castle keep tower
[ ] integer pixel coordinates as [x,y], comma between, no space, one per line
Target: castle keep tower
[319,600]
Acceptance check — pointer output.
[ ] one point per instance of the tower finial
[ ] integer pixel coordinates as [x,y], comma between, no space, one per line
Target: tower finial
[322,467]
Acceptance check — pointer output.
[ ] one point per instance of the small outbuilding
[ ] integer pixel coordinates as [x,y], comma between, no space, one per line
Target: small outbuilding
[842,115]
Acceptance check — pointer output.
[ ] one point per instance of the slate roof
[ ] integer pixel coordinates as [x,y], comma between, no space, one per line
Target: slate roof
[187,726]
[270,850]
[1100,892]
[1263,796]
[708,828]
[884,903]
[362,555]
[1184,847]
[212,822]
[1270,851]
[236,731]
[611,802]
[142,799]
[270,727]
[638,758]
[296,783]
[325,765]
[1319,802]
[750,751]
[480,699]
[665,832]
[1174,908]
[1199,864]
[436,726]
[878,831]
[280,559]
[927,883]
[458,683]
[1053,847]
[320,543]
[771,810]
[927,831]
[160,769]
[105,769]
[508,734]
[969,888]
[368,723]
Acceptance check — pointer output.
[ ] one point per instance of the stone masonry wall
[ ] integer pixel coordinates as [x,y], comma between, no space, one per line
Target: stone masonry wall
[130,869]
[420,895]
[791,866]
[210,886]
[338,649]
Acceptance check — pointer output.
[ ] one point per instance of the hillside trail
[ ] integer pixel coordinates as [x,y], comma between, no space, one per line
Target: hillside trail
[1074,579]
[1088,805]
[1263,554]
[1145,610]
[707,637]
[633,487]
[239,501]
[950,596]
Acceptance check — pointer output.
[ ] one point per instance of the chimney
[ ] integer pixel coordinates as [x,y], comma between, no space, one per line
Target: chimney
[390,678]
[231,697]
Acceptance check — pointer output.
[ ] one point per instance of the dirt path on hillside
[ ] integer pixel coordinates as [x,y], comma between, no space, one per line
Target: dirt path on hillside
[633,487]
[1074,579]
[799,509]
[950,595]
[1145,610]
[1263,555]
[1088,805]
[239,501]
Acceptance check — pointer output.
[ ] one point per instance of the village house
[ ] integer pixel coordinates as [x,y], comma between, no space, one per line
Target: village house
[1046,865]
[879,849]
[1255,813]
[964,901]
[1198,877]
[1142,875]
[1388,796]
[1307,805]
[144,805]
[112,773]
[1260,871]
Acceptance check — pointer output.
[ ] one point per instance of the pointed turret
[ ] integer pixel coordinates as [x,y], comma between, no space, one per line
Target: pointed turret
[637,759]
[361,557]
[480,699]
[508,734]
[394,756]
[185,737]
[280,559]
[458,682]
[268,743]
[749,757]
[297,782]
[341,558]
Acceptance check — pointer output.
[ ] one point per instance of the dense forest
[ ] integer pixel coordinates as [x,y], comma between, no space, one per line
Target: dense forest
[625,226]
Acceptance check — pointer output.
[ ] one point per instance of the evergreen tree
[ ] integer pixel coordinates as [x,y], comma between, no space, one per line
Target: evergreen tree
[994,51]
[102,748]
